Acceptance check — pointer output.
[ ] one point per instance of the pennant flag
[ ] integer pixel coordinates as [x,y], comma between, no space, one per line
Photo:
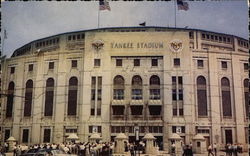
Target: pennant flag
[182,5]
[5,34]
[104,5]
[143,24]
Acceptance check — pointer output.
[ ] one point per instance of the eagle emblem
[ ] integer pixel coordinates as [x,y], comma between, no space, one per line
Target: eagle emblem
[97,45]
[176,45]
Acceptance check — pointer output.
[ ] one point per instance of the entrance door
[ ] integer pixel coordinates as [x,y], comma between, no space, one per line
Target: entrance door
[228,136]
[207,139]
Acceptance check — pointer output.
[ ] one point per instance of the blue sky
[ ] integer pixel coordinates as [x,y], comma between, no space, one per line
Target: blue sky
[28,21]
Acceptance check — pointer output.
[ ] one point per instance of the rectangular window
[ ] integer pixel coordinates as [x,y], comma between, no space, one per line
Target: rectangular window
[118,94]
[51,65]
[95,129]
[180,94]
[30,67]
[173,80]
[25,138]
[69,37]
[99,129]
[136,94]
[97,62]
[220,39]
[181,112]
[92,111]
[207,36]
[180,80]
[203,36]
[73,63]
[154,62]
[71,130]
[223,64]
[154,110]
[191,35]
[177,62]
[216,38]
[136,62]
[246,66]
[226,104]
[49,103]
[118,110]
[93,82]
[200,63]
[136,110]
[46,135]
[174,95]
[90,129]
[12,70]
[99,93]
[212,37]
[173,129]
[202,102]
[6,134]
[93,94]
[99,111]
[155,94]
[118,62]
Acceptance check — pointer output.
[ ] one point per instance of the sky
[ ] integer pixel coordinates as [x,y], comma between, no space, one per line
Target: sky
[28,21]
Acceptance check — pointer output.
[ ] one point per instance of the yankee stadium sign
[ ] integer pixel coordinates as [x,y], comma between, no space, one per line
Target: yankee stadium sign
[145,45]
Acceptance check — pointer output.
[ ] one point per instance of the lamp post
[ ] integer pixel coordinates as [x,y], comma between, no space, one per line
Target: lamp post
[137,138]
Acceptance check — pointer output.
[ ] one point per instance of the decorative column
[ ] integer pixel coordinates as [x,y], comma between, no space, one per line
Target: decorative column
[149,149]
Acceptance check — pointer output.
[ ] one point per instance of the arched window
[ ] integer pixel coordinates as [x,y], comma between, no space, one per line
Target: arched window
[28,98]
[246,94]
[226,97]
[201,96]
[136,88]
[154,88]
[49,97]
[72,96]
[118,90]
[10,99]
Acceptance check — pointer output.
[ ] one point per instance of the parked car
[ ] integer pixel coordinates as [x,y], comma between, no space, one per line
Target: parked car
[31,152]
[52,152]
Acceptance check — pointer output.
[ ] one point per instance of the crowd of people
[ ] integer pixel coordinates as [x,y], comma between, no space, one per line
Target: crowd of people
[230,149]
[81,148]
[107,148]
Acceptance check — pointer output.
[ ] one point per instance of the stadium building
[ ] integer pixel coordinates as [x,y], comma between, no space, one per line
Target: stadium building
[155,80]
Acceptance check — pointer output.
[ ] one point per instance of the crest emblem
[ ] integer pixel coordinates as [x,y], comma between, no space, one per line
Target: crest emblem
[176,45]
[97,45]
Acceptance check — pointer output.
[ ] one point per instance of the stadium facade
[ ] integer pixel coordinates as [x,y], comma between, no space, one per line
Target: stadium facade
[110,80]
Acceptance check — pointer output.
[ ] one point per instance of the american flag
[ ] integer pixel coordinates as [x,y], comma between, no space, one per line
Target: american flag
[103,5]
[182,5]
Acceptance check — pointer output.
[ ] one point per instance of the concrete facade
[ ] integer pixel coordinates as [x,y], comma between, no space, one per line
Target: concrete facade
[128,44]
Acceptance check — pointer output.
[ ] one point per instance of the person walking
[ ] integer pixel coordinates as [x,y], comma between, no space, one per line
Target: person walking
[210,150]
[215,149]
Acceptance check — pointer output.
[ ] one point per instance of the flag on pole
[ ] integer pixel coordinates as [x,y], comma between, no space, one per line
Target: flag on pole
[5,34]
[104,5]
[143,24]
[182,5]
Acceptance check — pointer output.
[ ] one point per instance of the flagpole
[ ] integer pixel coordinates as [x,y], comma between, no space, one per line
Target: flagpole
[98,16]
[175,1]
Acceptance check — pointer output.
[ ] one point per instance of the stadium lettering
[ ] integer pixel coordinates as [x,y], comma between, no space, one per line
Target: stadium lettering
[141,45]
